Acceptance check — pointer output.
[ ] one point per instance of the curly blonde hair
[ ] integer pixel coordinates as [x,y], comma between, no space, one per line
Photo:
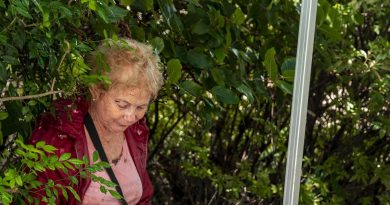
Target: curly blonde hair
[128,64]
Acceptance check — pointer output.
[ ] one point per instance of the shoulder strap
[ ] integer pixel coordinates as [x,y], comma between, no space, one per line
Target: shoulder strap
[88,122]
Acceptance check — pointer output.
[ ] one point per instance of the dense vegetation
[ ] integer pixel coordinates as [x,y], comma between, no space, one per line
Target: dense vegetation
[220,126]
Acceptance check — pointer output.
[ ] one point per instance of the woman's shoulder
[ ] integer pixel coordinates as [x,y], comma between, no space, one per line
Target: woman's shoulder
[65,121]
[139,131]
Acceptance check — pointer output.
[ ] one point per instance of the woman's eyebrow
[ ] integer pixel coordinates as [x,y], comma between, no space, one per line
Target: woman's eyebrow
[125,101]
[122,100]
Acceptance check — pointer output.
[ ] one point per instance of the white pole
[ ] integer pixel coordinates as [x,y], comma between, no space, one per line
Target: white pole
[299,105]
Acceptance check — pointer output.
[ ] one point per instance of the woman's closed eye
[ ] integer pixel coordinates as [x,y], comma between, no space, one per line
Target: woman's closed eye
[142,107]
[121,104]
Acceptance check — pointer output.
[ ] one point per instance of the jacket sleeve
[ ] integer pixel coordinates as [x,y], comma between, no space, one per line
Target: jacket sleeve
[140,135]
[147,190]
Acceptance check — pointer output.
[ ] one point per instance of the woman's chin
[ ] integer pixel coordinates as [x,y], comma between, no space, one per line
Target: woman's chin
[122,127]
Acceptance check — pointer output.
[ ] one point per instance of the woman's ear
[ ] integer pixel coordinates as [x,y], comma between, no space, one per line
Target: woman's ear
[95,91]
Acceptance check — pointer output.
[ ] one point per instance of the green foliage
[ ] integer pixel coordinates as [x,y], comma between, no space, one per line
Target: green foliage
[19,183]
[219,129]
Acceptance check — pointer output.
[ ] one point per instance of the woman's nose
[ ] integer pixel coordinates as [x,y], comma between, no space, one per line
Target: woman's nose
[130,116]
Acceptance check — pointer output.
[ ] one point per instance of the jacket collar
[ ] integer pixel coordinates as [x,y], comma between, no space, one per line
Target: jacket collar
[70,116]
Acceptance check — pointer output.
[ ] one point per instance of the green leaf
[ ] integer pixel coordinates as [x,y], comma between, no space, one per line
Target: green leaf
[174,70]
[144,5]
[53,198]
[50,183]
[224,95]
[49,148]
[64,192]
[69,166]
[220,54]
[3,115]
[65,156]
[198,59]
[158,44]
[74,193]
[138,33]
[192,88]
[288,75]
[73,179]
[46,19]
[115,194]
[12,183]
[3,39]
[331,32]
[288,69]
[285,86]
[22,10]
[242,88]
[218,76]
[36,3]
[270,64]
[85,159]
[110,14]
[11,60]
[95,156]
[76,161]
[92,5]
[19,181]
[126,2]
[39,167]
[40,144]
[288,64]
[32,155]
[238,17]
[200,27]
[168,11]
[103,189]
[6,198]
[32,103]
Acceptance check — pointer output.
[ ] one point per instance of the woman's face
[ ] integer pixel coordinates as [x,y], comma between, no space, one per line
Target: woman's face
[117,109]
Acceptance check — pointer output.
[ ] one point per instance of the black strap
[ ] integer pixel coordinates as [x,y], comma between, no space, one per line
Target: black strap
[88,122]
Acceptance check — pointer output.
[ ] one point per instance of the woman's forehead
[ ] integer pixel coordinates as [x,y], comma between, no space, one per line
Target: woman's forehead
[130,94]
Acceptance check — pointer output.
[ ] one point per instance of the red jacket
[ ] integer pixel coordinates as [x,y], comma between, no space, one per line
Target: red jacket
[66,132]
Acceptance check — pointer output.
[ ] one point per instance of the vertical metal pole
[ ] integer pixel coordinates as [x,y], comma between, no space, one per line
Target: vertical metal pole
[299,105]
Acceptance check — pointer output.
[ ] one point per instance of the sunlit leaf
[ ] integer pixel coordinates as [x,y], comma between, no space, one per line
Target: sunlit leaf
[224,95]
[238,16]
[3,115]
[158,44]
[242,88]
[174,70]
[65,156]
[270,64]
[192,88]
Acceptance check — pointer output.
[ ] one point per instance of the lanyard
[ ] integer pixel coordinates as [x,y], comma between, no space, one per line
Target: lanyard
[88,122]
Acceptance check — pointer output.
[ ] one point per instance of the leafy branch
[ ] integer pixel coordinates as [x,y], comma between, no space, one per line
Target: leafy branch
[18,184]
[30,96]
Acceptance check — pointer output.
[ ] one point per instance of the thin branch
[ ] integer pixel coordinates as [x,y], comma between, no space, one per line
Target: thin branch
[212,198]
[52,85]
[30,96]
[156,119]
[165,135]
[9,25]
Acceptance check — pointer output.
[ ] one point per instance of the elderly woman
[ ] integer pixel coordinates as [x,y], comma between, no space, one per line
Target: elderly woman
[112,123]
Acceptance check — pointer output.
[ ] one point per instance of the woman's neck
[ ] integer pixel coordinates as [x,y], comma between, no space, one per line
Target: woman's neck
[106,136]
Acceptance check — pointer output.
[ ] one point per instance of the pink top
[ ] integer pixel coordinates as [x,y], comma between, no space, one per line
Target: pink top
[127,175]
